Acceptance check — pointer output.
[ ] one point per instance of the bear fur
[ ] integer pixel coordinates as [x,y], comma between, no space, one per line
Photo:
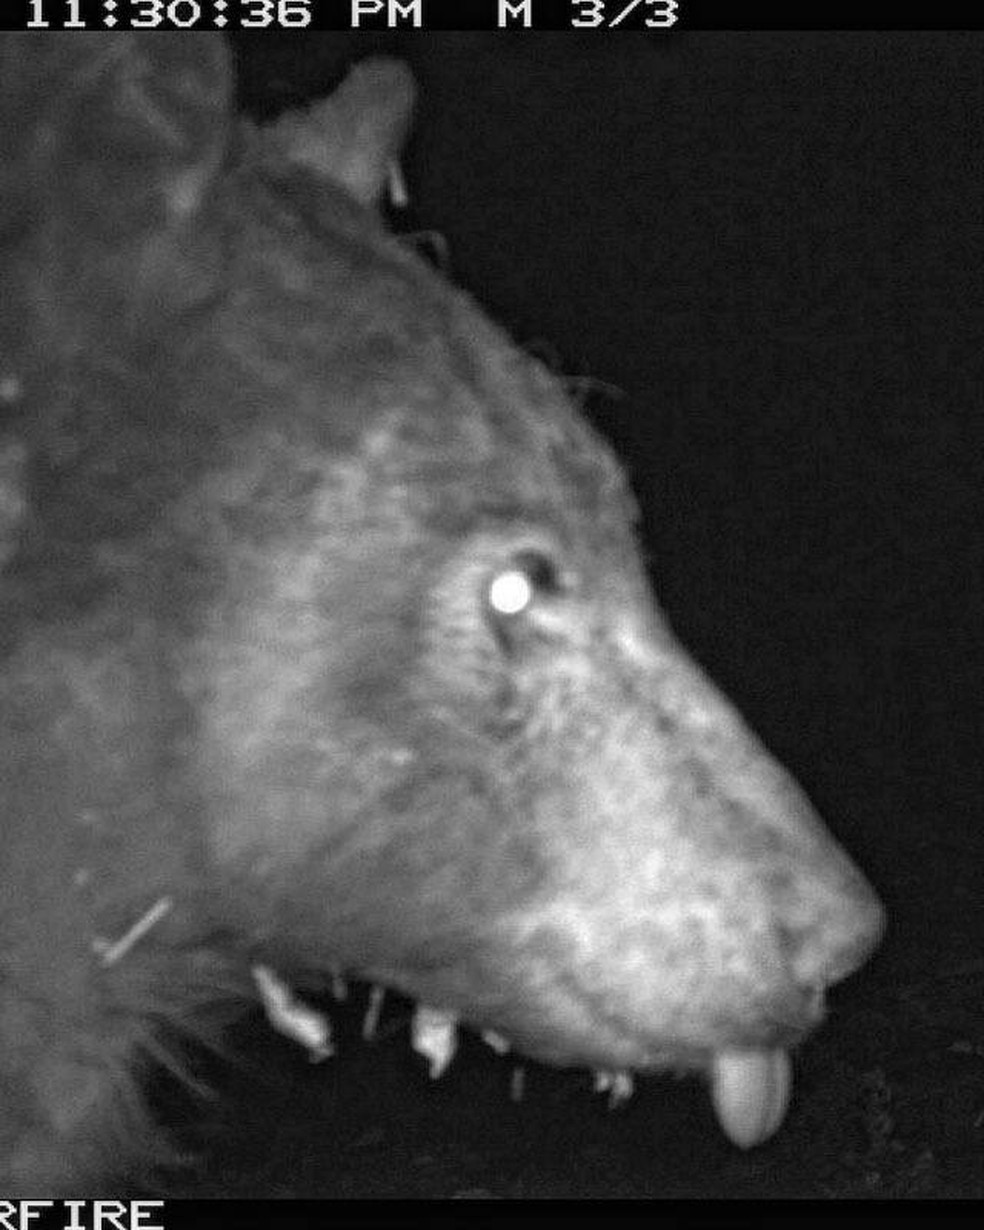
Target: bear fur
[325,641]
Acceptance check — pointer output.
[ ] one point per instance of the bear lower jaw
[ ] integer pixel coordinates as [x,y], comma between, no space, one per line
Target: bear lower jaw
[750,1087]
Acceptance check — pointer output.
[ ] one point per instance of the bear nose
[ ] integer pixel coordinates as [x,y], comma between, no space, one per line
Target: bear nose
[833,929]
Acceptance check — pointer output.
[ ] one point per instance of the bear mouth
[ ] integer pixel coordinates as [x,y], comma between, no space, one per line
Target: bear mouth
[750,1087]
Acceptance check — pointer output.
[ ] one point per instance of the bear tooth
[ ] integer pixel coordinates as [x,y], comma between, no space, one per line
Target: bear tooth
[434,1034]
[396,186]
[375,1006]
[292,1018]
[616,1083]
[750,1091]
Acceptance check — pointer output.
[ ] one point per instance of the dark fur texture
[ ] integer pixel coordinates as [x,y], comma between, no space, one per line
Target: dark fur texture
[259,465]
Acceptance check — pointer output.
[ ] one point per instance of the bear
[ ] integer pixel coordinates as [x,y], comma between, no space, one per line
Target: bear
[327,643]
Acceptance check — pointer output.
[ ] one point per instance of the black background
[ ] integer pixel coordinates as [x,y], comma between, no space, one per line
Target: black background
[770,247]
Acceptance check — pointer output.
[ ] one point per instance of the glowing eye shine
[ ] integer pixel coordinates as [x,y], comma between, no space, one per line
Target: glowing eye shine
[511,592]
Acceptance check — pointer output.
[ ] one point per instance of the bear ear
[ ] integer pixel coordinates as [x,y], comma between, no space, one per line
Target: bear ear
[109,145]
[121,133]
[354,137]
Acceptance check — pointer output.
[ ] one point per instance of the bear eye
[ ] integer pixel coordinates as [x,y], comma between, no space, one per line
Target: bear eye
[529,576]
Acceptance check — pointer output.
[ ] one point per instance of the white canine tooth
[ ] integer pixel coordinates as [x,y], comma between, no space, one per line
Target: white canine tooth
[496,1041]
[292,1018]
[750,1091]
[433,1034]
